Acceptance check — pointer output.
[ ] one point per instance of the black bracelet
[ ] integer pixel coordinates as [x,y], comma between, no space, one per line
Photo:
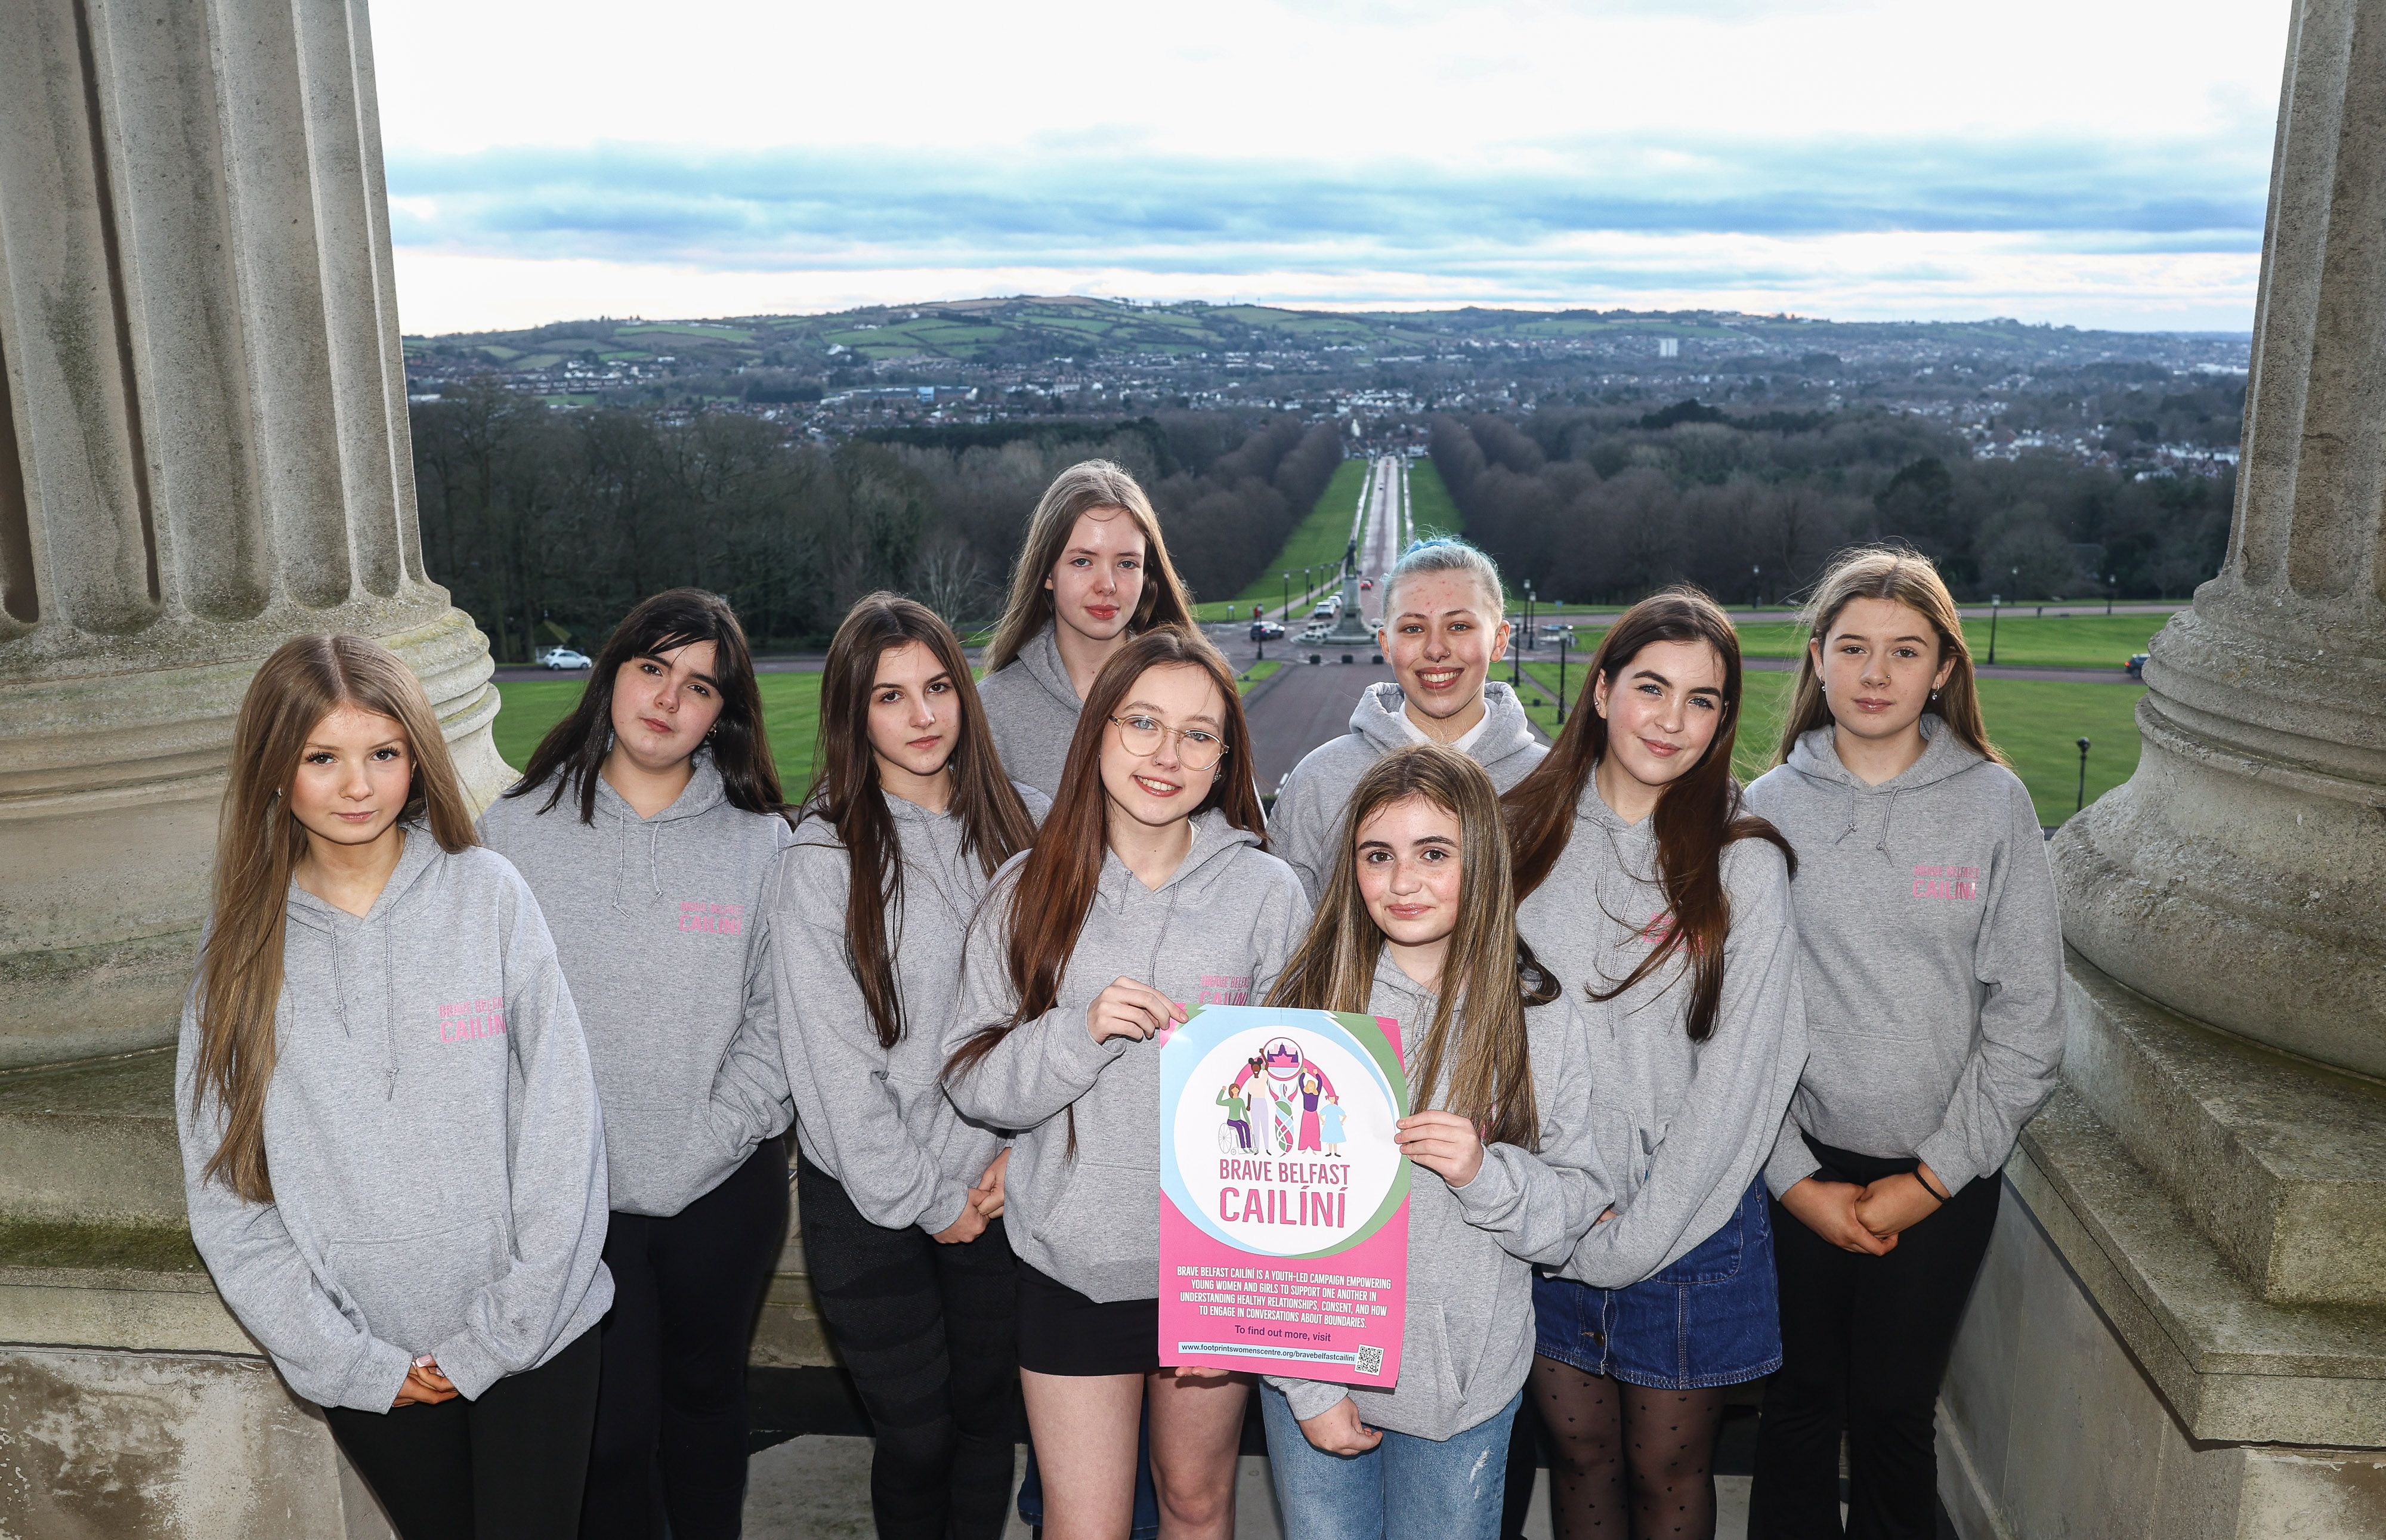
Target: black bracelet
[1944,1198]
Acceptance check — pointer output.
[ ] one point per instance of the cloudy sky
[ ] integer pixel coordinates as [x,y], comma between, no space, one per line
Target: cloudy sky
[2096,162]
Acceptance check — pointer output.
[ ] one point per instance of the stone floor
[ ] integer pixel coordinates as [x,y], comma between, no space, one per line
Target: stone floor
[817,1487]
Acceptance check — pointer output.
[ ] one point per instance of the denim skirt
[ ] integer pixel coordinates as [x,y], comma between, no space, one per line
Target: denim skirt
[1712,1318]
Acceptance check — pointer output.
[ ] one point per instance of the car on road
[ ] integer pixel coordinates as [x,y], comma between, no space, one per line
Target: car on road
[1556,629]
[2136,667]
[1266,631]
[1326,609]
[563,657]
[1366,585]
[1315,631]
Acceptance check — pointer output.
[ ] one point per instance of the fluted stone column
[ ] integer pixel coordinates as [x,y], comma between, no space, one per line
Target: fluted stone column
[2241,876]
[203,452]
[2181,1330]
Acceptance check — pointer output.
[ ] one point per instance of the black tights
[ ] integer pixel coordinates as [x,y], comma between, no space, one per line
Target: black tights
[1628,1463]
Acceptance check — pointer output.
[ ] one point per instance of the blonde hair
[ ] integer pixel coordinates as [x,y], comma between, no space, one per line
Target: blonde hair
[258,844]
[1490,1074]
[1902,577]
[1447,553]
[1088,485]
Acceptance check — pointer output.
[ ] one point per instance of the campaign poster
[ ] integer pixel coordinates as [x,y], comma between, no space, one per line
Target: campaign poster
[1283,1207]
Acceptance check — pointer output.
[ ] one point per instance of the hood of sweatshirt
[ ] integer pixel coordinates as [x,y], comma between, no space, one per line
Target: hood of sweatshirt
[1932,954]
[1309,806]
[1216,932]
[1031,708]
[1871,812]
[661,928]
[1380,717]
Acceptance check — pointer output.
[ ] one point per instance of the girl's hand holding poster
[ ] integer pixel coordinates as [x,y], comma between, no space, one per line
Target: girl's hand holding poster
[1283,1209]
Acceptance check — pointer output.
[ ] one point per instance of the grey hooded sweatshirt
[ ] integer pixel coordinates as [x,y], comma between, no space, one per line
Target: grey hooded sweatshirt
[1467,1341]
[1032,706]
[661,928]
[1932,958]
[1682,1127]
[875,1118]
[433,1137]
[1217,931]
[1308,804]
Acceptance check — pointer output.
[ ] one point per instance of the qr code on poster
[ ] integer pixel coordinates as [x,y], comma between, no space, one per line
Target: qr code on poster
[1371,1360]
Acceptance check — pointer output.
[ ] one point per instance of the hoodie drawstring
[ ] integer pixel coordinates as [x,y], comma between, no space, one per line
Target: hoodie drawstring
[1888,816]
[388,1012]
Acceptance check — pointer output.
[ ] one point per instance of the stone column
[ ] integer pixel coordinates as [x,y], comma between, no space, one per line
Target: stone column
[2181,1328]
[203,452]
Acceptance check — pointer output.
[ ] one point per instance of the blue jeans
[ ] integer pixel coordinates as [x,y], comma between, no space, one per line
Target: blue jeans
[1404,1488]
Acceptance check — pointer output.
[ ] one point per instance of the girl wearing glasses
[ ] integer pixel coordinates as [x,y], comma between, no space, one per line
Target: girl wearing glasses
[1147,889]
[1092,574]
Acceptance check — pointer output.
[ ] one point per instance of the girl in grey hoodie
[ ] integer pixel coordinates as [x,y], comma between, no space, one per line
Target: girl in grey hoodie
[1933,960]
[901,1198]
[1654,898]
[648,823]
[390,1144]
[1092,572]
[1149,890]
[1443,630]
[1418,925]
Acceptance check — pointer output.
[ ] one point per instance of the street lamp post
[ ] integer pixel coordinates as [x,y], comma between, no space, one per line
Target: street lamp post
[1529,639]
[1287,615]
[1756,582]
[1563,637]
[2081,800]
[1994,600]
[2112,586]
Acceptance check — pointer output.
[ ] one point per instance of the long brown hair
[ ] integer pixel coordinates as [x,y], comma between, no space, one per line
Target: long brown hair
[1088,485]
[844,791]
[569,757]
[1902,577]
[1047,906]
[1697,814]
[1488,969]
[258,845]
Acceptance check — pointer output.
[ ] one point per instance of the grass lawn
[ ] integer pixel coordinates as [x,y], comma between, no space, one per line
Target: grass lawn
[2056,642]
[1318,541]
[2036,722]
[1430,509]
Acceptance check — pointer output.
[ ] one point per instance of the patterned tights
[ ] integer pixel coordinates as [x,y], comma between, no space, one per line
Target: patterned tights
[1628,1463]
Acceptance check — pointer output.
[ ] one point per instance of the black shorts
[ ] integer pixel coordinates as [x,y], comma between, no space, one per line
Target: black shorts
[1061,1331]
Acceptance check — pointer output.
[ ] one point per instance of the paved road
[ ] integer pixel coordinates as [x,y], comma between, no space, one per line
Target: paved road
[1380,546]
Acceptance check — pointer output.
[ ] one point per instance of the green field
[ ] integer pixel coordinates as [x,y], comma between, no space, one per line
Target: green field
[2036,722]
[1430,508]
[1319,540]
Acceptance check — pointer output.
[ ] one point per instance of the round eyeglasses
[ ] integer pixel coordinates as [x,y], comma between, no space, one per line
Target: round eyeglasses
[1196,748]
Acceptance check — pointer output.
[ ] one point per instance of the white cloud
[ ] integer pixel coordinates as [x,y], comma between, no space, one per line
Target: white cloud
[1659,101]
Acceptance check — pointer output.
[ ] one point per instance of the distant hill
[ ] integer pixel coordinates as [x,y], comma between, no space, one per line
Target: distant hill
[1028,330]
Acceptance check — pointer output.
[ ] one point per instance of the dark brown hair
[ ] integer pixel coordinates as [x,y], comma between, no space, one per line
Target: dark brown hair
[572,753]
[258,844]
[1048,905]
[1697,814]
[844,791]
[1488,969]
[1902,577]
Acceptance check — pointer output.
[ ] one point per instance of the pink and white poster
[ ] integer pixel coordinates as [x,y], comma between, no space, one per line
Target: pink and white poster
[1284,1203]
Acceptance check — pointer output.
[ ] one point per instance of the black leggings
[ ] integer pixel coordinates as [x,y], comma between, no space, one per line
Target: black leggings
[506,1467]
[929,1332]
[670,1419]
[1864,1342]
[1627,1462]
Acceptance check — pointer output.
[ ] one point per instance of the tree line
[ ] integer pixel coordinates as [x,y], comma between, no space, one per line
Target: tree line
[548,524]
[1602,507]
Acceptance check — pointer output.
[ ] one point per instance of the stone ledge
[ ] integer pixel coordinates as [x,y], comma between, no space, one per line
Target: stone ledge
[92,1144]
[2232,1365]
[2281,1162]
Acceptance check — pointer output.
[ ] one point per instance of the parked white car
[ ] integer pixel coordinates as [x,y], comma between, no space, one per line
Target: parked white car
[563,657]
